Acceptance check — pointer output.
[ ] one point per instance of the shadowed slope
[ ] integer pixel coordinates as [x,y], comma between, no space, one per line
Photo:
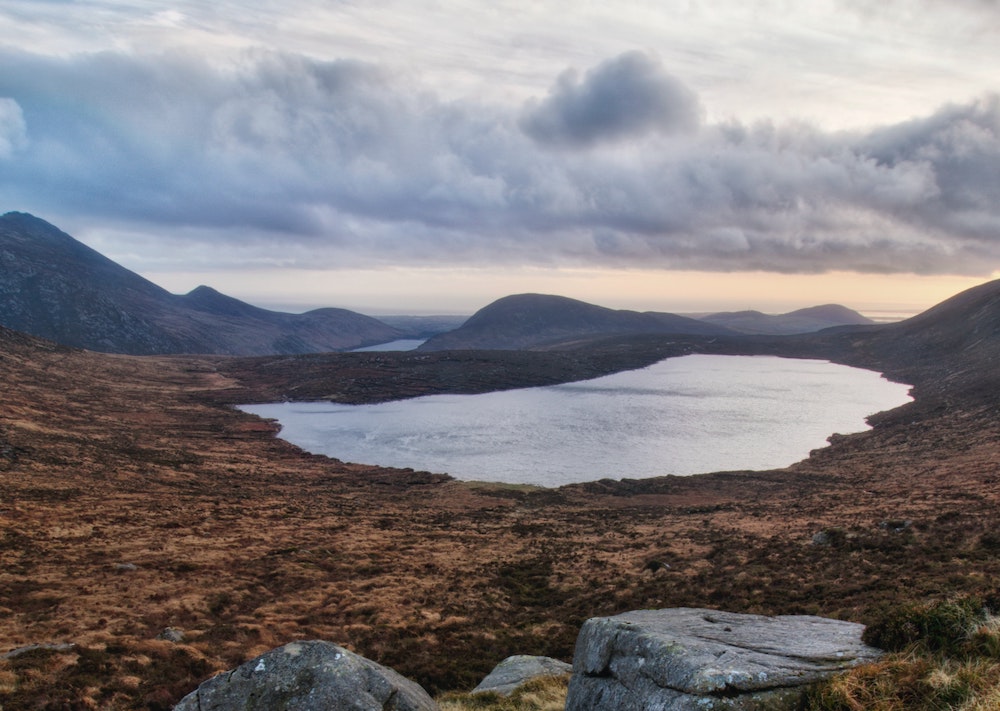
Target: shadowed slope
[58,288]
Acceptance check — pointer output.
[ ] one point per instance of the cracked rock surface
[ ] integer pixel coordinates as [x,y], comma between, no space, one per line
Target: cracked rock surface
[686,658]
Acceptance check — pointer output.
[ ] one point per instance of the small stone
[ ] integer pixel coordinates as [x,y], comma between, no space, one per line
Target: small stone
[57,647]
[821,538]
[171,634]
[896,525]
[518,670]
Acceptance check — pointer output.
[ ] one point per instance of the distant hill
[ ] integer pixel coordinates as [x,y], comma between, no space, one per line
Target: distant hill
[533,320]
[814,318]
[424,326]
[53,286]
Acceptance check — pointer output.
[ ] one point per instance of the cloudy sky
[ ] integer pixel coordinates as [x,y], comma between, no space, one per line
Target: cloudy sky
[399,156]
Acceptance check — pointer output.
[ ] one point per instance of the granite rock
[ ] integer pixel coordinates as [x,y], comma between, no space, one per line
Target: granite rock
[680,659]
[308,676]
[516,671]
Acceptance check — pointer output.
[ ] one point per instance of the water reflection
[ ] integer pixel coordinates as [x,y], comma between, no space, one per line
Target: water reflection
[682,416]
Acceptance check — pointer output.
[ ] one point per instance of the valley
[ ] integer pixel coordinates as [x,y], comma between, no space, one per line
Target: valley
[137,500]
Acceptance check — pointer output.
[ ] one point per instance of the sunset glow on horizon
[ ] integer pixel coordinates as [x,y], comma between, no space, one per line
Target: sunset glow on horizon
[432,157]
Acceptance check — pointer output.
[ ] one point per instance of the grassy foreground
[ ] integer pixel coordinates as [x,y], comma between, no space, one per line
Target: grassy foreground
[943,656]
[547,693]
[135,500]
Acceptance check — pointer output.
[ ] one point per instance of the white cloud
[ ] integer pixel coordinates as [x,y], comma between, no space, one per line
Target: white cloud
[841,63]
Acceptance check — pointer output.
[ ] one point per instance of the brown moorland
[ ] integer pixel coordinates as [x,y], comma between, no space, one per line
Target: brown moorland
[135,498]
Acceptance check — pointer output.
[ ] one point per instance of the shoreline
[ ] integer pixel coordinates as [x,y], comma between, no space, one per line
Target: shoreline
[136,499]
[464,437]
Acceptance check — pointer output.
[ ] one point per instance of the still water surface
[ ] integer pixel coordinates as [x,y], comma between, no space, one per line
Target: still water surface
[687,415]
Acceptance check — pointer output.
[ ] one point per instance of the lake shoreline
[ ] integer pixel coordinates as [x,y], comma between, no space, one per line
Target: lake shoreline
[136,498]
[683,416]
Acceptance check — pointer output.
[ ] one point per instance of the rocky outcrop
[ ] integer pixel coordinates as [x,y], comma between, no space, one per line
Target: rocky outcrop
[681,659]
[664,660]
[518,670]
[308,676]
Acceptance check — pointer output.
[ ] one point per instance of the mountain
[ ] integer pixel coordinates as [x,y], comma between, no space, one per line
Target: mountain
[814,318]
[533,320]
[55,287]
[958,341]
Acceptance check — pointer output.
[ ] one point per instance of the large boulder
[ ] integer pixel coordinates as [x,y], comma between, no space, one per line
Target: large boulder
[308,676]
[681,659]
[518,670]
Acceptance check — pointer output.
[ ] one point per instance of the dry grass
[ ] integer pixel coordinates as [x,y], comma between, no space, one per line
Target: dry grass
[913,683]
[933,673]
[547,693]
[133,500]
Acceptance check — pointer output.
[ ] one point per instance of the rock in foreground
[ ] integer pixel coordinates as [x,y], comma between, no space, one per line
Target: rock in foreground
[680,659]
[308,676]
[518,670]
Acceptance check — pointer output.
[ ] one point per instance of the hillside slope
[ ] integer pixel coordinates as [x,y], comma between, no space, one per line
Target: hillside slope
[814,318]
[55,287]
[954,346]
[533,320]
[134,498]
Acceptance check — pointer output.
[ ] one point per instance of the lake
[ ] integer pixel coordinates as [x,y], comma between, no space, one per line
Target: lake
[689,415]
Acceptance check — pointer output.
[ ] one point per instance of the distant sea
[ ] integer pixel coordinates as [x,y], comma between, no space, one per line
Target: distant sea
[688,415]
[889,315]
[404,344]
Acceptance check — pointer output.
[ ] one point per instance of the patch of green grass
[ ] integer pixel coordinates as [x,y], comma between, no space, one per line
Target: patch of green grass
[940,627]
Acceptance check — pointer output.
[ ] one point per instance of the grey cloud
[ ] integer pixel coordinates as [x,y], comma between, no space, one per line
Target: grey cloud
[333,163]
[13,134]
[960,146]
[624,97]
[170,140]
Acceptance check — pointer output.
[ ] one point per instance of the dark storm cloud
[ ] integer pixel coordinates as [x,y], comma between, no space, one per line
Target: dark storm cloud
[624,97]
[167,139]
[341,162]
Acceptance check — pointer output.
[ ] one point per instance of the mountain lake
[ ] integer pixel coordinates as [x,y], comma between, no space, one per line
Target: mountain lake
[687,415]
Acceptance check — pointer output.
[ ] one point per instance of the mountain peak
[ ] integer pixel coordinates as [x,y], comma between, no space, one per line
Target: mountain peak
[531,320]
[58,288]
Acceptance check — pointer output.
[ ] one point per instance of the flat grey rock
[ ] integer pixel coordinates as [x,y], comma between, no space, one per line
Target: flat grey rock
[518,670]
[678,659]
[308,676]
[51,647]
